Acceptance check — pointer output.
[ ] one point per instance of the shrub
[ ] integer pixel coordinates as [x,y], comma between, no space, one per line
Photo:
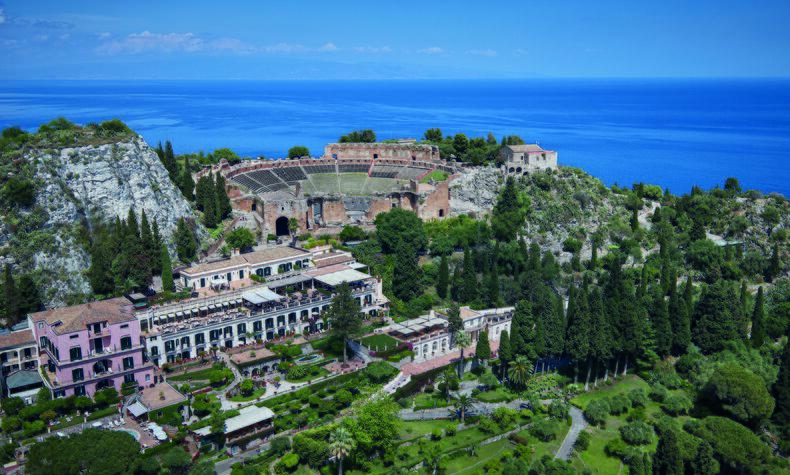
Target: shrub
[451,431]
[658,393]
[637,397]
[582,442]
[677,404]
[597,412]
[288,463]
[19,192]
[344,397]
[436,434]
[559,409]
[487,425]
[616,447]
[619,404]
[636,433]
[280,445]
[504,416]
[544,430]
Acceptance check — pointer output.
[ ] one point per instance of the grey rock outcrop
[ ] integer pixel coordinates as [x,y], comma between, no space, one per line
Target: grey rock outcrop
[475,191]
[79,185]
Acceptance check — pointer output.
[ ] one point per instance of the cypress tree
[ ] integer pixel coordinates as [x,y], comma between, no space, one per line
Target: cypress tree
[167,270]
[601,343]
[160,152]
[100,270]
[534,257]
[225,207]
[718,317]
[170,161]
[186,247]
[781,389]
[10,296]
[147,241]
[744,297]
[483,348]
[579,330]
[187,182]
[668,460]
[704,462]
[406,273]
[517,346]
[659,318]
[443,277]
[758,320]
[775,265]
[156,263]
[210,211]
[505,352]
[492,288]
[634,220]
[470,278]
[641,291]
[29,297]
[688,296]
[679,320]
[594,257]
[456,291]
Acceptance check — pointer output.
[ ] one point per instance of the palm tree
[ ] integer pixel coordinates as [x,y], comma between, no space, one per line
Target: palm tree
[462,341]
[464,403]
[340,445]
[446,378]
[520,371]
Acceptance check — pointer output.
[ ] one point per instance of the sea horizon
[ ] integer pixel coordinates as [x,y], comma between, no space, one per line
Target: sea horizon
[674,132]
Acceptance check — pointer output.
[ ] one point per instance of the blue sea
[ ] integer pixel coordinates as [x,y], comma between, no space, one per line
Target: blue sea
[675,133]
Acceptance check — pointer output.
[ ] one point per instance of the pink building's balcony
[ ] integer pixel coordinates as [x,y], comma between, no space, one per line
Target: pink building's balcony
[90,376]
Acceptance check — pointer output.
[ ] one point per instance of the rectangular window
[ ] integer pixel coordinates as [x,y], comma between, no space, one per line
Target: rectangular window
[77,375]
[154,350]
[75,354]
[170,346]
[79,390]
[125,325]
[242,328]
[128,378]
[74,336]
[241,274]
[128,363]
[60,393]
[126,343]
[200,338]
[147,377]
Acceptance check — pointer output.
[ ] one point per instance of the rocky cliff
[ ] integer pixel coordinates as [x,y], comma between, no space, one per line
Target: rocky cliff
[74,187]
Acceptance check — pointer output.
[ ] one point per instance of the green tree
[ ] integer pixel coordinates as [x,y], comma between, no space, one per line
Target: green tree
[704,462]
[470,284]
[464,404]
[343,315]
[359,136]
[668,459]
[176,461]
[376,426]
[578,340]
[167,270]
[186,246]
[433,135]
[774,265]
[443,278]
[341,444]
[399,225]
[758,320]
[507,217]
[170,161]
[187,182]
[406,273]
[85,452]
[520,371]
[298,151]
[462,342]
[659,318]
[718,317]
[781,389]
[505,352]
[483,348]
[740,393]
[10,296]
[240,238]
[446,379]
[224,209]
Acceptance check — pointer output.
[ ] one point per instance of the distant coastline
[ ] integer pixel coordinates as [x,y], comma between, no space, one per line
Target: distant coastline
[673,132]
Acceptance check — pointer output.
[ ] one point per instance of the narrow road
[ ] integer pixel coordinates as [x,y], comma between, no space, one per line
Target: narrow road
[449,412]
[223,467]
[578,424]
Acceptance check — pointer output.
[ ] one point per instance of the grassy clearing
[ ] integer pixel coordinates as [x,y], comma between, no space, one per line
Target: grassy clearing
[429,401]
[202,374]
[436,175]
[255,395]
[499,394]
[473,464]
[380,342]
[414,429]
[622,386]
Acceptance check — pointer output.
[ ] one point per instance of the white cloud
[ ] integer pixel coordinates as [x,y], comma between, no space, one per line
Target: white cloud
[482,52]
[146,41]
[521,52]
[284,48]
[328,47]
[372,49]
[2,15]
[103,35]
[431,50]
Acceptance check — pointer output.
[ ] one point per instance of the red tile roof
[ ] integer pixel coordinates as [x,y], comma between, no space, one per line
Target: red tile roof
[76,317]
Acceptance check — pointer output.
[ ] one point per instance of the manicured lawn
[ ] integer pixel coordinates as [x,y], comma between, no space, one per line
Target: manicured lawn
[379,342]
[310,377]
[202,374]
[436,175]
[413,429]
[499,394]
[540,448]
[472,464]
[623,386]
[255,395]
[429,401]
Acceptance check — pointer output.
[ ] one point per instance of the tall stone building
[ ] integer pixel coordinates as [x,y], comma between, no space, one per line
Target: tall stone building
[523,159]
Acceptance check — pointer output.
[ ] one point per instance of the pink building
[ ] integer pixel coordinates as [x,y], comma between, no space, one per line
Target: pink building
[88,347]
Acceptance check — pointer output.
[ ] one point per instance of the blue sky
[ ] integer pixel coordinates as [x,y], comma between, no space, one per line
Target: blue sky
[43,39]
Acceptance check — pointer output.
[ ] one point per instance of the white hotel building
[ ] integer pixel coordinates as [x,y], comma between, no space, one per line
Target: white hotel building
[298,286]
